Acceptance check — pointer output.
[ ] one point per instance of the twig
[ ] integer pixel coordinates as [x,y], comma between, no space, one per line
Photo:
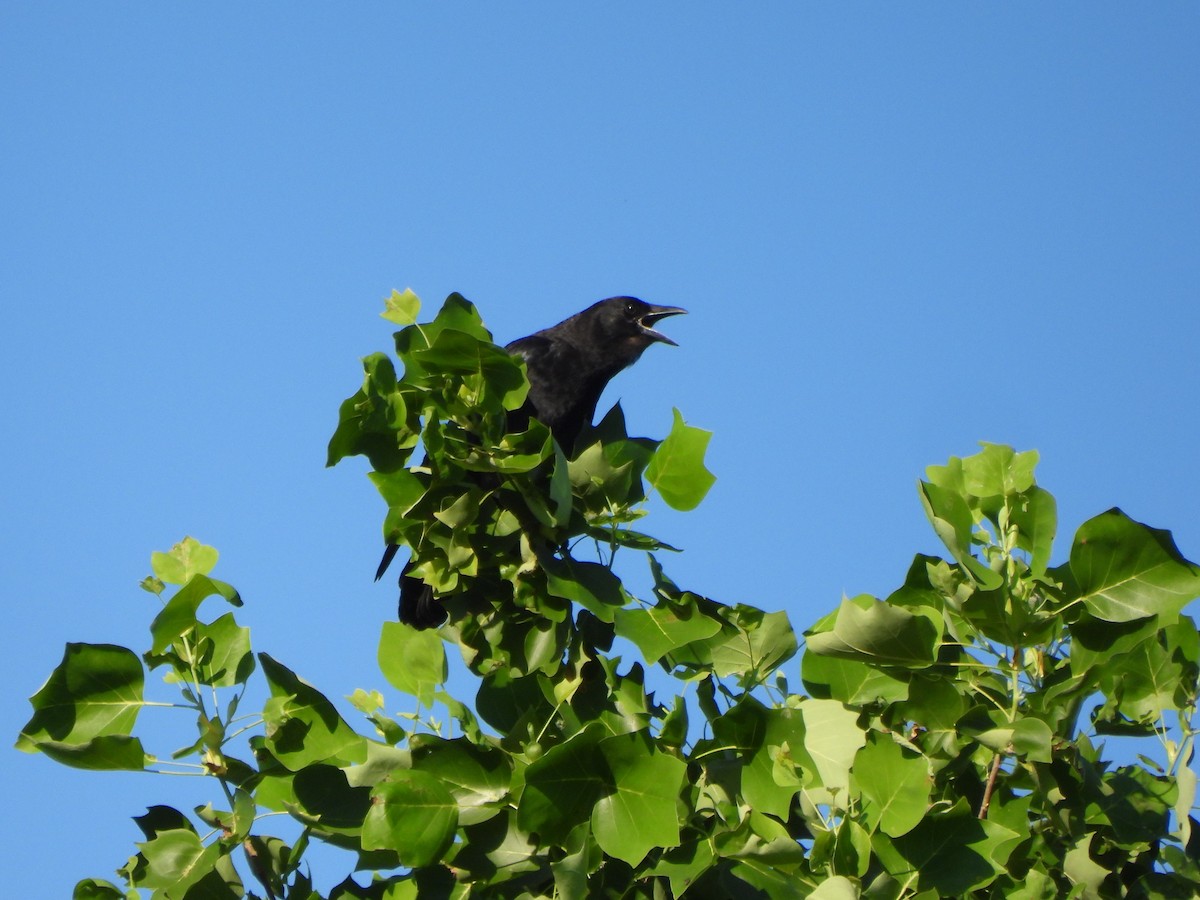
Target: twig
[991,785]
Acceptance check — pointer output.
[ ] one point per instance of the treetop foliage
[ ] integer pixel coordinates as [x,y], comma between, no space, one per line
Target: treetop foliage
[944,741]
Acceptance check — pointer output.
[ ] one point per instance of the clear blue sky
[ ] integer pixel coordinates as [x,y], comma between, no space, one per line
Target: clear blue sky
[900,229]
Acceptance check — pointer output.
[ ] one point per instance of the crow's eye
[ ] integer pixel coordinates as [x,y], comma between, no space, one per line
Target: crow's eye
[631,308]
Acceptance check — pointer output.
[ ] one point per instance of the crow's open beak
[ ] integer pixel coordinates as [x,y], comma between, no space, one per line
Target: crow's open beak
[647,322]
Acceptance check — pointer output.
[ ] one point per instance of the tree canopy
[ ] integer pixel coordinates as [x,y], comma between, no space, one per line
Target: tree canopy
[947,740]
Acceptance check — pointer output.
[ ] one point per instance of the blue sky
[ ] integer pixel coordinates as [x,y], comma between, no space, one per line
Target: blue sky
[900,230]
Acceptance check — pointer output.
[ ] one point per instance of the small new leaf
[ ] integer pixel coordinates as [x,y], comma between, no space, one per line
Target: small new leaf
[401,308]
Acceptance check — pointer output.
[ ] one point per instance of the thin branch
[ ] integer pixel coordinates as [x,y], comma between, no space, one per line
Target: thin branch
[991,786]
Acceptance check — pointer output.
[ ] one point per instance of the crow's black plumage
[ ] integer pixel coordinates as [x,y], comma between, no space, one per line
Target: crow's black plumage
[569,366]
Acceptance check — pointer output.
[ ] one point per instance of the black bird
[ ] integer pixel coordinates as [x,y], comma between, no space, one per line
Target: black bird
[568,365]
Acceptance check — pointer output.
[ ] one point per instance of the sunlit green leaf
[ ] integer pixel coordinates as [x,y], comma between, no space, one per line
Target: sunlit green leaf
[829,677]
[659,629]
[474,775]
[375,421]
[832,737]
[780,763]
[95,691]
[221,651]
[183,561]
[1185,779]
[677,468]
[1126,570]
[870,631]
[303,727]
[953,522]
[1084,872]
[178,617]
[762,642]
[895,784]
[412,661]
[401,308]
[1035,513]
[998,469]
[839,887]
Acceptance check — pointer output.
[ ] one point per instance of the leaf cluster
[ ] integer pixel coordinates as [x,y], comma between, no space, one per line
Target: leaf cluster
[947,741]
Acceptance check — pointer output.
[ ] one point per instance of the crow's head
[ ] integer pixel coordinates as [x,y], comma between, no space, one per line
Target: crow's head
[630,321]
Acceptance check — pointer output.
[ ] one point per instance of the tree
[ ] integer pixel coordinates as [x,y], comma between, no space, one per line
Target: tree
[945,742]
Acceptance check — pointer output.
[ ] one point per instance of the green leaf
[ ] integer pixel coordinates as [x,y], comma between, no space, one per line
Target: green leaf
[998,470]
[591,585]
[375,421]
[839,887]
[401,308]
[563,787]
[412,661]
[505,702]
[1035,513]
[780,765]
[763,641]
[640,813]
[682,865]
[94,692]
[1083,871]
[401,491]
[224,659]
[1032,738]
[176,860]
[665,626]
[185,560]
[953,521]
[476,776]
[677,468]
[108,752]
[178,617]
[303,727]
[496,846]
[850,681]
[1137,804]
[952,852]
[878,633]
[895,782]
[598,479]
[459,314]
[412,814]
[851,848]
[324,798]
[97,889]
[1126,570]
[832,738]
[1096,642]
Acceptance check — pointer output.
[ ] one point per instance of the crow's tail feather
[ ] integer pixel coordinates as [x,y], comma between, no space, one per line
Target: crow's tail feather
[418,607]
[388,555]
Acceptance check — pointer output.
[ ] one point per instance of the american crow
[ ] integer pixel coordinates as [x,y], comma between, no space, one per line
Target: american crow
[569,366]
